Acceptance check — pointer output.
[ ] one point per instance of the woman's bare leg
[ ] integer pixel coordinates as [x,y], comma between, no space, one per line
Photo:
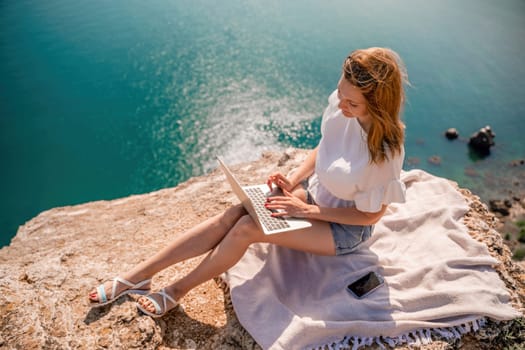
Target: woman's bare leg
[194,242]
[316,239]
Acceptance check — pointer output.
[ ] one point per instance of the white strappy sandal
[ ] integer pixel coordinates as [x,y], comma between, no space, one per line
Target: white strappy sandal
[133,289]
[159,311]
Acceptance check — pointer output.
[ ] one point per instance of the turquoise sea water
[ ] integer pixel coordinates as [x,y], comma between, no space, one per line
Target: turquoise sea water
[102,99]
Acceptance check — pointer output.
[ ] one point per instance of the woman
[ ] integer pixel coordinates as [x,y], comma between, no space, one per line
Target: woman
[343,187]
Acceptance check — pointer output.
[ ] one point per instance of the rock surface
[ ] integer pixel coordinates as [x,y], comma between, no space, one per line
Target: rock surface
[60,255]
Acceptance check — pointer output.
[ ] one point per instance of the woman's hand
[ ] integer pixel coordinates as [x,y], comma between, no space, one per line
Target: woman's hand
[280,180]
[288,205]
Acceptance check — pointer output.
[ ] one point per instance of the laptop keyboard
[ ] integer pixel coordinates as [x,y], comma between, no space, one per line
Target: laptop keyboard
[259,199]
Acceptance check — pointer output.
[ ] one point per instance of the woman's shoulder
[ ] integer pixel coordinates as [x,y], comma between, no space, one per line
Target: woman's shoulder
[333,100]
[330,111]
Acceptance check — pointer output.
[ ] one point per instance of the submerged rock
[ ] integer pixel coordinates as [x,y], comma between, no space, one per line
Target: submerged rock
[470,171]
[435,159]
[500,206]
[517,162]
[412,161]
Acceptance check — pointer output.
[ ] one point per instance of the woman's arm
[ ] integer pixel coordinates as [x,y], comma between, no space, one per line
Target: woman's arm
[297,175]
[289,205]
[349,216]
[304,170]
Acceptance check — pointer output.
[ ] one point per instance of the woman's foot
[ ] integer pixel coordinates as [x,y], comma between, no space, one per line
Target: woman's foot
[112,290]
[156,304]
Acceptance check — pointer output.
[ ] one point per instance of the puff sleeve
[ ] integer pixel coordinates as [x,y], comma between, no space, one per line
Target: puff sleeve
[372,199]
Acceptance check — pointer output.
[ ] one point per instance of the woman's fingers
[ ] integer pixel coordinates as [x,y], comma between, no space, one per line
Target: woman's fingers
[277,205]
[274,204]
[276,199]
[278,179]
[287,193]
[280,202]
[273,179]
[280,213]
[280,182]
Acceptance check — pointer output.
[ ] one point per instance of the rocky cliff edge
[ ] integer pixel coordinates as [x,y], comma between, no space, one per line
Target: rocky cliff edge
[57,257]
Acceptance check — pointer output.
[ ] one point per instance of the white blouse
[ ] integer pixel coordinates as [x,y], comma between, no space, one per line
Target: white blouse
[344,176]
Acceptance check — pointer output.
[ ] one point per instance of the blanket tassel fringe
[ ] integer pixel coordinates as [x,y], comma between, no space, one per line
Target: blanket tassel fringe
[414,338]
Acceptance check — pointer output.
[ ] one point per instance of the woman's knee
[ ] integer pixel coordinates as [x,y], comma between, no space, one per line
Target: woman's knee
[231,215]
[245,230]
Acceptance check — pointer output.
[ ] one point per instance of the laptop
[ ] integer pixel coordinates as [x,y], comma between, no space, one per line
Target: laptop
[253,199]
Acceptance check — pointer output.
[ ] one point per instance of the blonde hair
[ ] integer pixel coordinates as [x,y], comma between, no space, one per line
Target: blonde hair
[380,75]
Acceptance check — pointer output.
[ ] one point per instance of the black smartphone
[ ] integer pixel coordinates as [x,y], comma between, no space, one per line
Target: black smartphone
[365,285]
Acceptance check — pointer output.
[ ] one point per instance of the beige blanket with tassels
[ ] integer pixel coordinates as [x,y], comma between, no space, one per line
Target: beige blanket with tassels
[438,281]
